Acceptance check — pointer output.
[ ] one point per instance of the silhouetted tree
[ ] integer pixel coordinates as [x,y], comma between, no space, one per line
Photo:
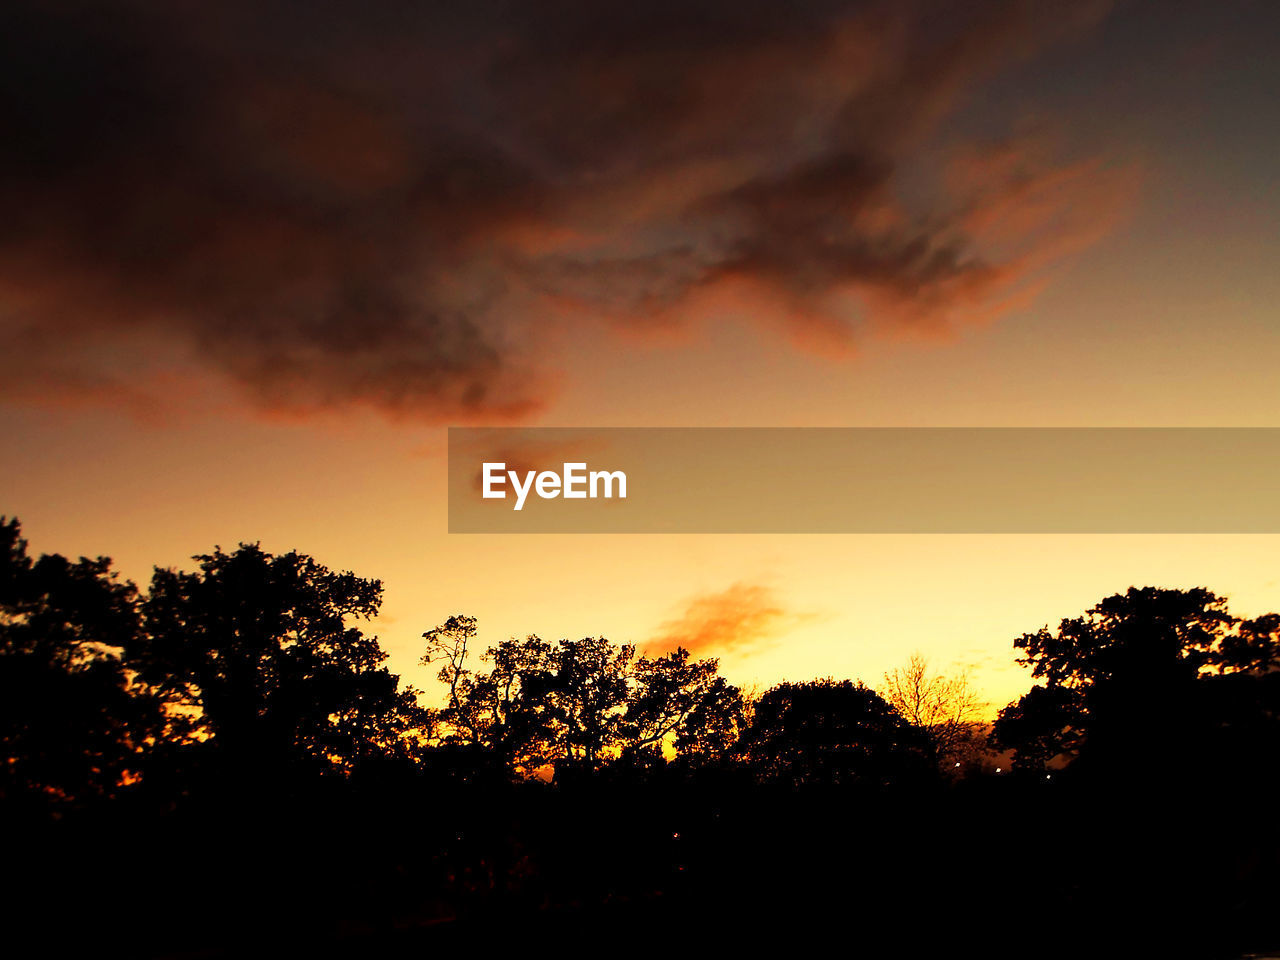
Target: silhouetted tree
[946,707]
[578,704]
[1152,633]
[450,642]
[1253,648]
[501,712]
[685,702]
[1046,723]
[73,725]
[828,732]
[1130,682]
[260,646]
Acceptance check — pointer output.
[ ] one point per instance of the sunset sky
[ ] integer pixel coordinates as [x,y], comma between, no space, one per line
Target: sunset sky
[256,257]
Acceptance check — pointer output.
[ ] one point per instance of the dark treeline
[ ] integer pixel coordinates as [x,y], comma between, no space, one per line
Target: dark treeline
[222,764]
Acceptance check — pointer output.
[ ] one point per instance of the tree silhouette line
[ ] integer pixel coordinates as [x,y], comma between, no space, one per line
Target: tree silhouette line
[240,708]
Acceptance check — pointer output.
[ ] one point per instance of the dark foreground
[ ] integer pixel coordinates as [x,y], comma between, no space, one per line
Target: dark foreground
[993,867]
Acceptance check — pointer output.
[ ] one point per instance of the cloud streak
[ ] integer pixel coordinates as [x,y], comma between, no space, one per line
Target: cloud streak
[388,206]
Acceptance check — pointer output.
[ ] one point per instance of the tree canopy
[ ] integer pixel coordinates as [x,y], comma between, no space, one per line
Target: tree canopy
[574,705]
[1133,676]
[829,732]
[945,706]
[74,726]
[261,646]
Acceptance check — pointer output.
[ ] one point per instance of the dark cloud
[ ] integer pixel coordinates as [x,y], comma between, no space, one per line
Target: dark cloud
[379,204]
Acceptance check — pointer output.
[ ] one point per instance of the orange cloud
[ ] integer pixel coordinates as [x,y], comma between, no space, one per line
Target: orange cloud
[740,619]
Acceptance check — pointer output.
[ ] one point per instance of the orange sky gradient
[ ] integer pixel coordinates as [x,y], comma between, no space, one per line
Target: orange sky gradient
[1067,220]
